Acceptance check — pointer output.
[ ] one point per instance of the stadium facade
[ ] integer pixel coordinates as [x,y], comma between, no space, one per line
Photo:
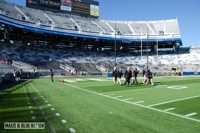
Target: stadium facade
[60,30]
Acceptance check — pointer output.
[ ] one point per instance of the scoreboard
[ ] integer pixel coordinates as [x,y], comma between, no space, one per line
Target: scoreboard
[87,8]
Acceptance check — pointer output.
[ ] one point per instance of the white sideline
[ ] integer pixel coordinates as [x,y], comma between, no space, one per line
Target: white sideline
[35,89]
[174,101]
[138,102]
[127,99]
[111,94]
[119,96]
[144,89]
[42,113]
[190,114]
[169,109]
[147,107]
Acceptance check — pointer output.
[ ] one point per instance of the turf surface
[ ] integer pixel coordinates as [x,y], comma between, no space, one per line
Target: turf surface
[88,105]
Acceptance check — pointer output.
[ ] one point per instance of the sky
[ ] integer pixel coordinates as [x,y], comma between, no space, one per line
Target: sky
[186,11]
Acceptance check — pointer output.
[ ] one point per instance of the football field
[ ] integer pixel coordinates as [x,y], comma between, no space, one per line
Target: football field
[96,105]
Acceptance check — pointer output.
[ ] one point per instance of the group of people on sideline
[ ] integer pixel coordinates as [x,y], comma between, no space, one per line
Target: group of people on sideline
[131,76]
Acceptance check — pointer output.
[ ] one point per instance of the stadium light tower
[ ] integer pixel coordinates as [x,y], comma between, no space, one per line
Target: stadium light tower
[157,48]
[147,48]
[115,46]
[141,42]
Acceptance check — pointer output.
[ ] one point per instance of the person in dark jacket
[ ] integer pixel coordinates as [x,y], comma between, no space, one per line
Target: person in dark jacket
[150,77]
[119,75]
[143,72]
[128,75]
[145,81]
[17,75]
[114,75]
[135,73]
[51,72]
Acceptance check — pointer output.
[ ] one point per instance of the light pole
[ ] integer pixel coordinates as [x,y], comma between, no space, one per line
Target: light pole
[147,49]
[115,47]
[157,49]
[141,42]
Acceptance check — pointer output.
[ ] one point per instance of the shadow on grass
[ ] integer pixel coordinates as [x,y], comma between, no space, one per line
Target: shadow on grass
[8,88]
[17,105]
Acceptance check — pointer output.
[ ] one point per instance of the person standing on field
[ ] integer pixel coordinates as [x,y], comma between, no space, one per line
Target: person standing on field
[143,72]
[119,75]
[17,75]
[150,76]
[51,72]
[135,73]
[114,75]
[128,75]
[145,81]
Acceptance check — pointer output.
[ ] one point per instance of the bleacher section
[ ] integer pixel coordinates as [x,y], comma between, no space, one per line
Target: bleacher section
[122,27]
[88,61]
[34,15]
[62,22]
[9,10]
[186,59]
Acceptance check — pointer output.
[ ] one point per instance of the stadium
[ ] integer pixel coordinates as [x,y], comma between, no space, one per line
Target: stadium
[68,37]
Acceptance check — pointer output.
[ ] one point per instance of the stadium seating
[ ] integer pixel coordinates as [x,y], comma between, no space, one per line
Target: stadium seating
[121,26]
[62,22]
[49,58]
[9,9]
[34,15]
[91,61]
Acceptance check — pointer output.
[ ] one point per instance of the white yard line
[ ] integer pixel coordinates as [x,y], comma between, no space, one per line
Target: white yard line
[169,109]
[64,121]
[42,113]
[119,96]
[127,99]
[173,101]
[111,94]
[35,89]
[143,89]
[190,114]
[97,86]
[138,102]
[147,107]
[72,130]
[57,114]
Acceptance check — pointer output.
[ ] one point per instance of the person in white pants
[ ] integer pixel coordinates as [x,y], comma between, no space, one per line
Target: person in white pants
[119,75]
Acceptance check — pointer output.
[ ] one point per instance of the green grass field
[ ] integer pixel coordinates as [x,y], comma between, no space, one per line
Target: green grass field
[96,105]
